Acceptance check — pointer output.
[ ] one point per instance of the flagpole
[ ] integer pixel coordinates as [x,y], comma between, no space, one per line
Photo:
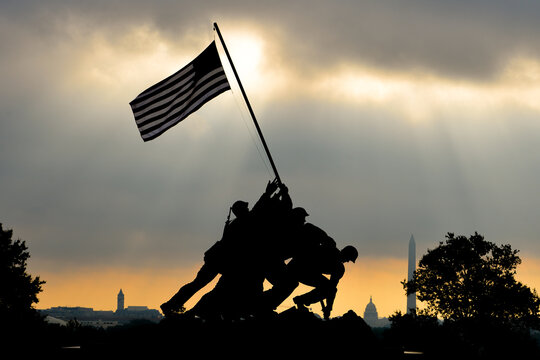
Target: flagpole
[248,104]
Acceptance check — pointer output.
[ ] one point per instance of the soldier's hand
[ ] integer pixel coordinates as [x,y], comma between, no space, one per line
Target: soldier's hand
[271,186]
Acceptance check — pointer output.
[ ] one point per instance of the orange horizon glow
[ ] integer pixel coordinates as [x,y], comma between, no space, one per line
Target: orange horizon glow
[369,277]
[98,288]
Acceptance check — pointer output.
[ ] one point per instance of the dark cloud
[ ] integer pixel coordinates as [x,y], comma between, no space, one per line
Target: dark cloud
[80,185]
[466,39]
[453,38]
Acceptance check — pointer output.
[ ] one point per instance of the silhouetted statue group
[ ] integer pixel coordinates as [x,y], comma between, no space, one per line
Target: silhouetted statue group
[272,242]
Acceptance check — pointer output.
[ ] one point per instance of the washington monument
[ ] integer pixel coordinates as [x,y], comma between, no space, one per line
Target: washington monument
[411,299]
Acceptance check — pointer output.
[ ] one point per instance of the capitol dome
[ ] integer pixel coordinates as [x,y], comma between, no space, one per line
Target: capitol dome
[371,308]
[370,314]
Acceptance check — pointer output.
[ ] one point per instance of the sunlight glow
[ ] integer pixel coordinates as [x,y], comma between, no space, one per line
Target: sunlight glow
[420,96]
[126,64]
[136,60]
[246,51]
[253,62]
[118,67]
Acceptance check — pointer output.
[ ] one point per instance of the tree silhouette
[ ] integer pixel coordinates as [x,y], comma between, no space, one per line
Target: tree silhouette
[18,289]
[471,278]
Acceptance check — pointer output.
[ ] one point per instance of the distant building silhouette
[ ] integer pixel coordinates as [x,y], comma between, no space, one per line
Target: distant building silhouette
[371,316]
[120,301]
[411,299]
[100,318]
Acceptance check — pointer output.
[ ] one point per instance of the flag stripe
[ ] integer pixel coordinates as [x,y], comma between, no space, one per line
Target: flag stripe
[208,96]
[151,101]
[179,98]
[168,102]
[161,86]
[171,100]
[174,119]
[171,112]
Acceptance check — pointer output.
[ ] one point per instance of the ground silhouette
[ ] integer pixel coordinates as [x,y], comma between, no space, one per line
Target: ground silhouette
[292,333]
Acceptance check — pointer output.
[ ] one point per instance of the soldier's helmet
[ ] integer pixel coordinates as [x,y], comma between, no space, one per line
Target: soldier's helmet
[299,212]
[239,207]
[349,253]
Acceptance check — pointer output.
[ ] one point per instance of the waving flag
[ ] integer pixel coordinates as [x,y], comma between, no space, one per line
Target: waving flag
[171,100]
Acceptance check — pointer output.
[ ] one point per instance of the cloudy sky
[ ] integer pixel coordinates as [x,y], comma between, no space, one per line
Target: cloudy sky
[384,118]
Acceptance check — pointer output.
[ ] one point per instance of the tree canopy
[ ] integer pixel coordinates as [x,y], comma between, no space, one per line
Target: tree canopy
[18,289]
[469,277]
